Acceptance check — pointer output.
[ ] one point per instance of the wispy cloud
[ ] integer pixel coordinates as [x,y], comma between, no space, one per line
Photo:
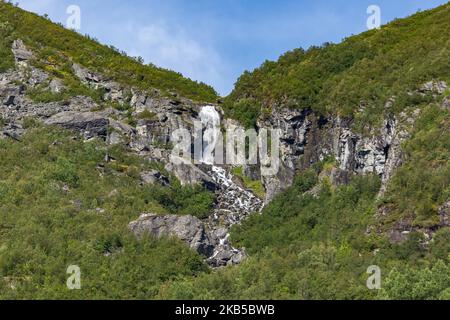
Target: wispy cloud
[215,41]
[173,48]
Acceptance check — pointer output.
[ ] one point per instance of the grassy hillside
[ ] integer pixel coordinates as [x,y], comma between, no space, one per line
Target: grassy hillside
[61,205]
[317,247]
[51,40]
[366,69]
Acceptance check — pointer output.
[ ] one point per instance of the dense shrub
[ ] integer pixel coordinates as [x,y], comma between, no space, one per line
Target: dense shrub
[363,70]
[59,208]
[422,184]
[51,41]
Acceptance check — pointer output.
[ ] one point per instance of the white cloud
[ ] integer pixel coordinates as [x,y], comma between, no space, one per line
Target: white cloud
[172,48]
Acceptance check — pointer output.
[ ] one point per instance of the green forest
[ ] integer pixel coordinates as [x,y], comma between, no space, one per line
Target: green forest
[62,202]
[391,62]
[59,206]
[53,42]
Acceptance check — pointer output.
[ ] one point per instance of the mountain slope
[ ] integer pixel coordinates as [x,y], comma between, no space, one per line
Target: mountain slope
[354,78]
[85,145]
[52,42]
[62,204]
[365,140]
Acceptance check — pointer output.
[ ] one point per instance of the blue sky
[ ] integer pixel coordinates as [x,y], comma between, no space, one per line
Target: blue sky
[214,41]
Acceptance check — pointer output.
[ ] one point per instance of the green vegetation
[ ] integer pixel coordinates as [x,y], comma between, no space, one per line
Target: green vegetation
[147,115]
[366,70]
[43,37]
[307,247]
[7,60]
[186,200]
[430,283]
[246,111]
[422,184]
[62,205]
[254,185]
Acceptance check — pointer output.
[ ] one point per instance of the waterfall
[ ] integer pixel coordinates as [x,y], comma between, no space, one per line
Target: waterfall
[234,203]
[211,122]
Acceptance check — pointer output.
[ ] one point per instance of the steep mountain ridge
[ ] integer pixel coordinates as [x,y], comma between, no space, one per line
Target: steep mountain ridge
[54,44]
[346,195]
[149,137]
[353,79]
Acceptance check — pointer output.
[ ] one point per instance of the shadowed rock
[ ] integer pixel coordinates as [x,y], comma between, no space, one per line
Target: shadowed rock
[89,123]
[154,176]
[189,174]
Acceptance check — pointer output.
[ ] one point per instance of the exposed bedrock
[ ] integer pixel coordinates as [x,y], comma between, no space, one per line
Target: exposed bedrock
[306,138]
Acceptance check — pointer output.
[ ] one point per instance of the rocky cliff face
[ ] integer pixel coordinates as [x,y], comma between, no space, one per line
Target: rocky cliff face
[306,138]
[156,117]
[210,237]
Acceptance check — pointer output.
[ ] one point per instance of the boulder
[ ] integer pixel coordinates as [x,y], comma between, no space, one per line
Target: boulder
[13,131]
[434,86]
[120,133]
[113,90]
[154,176]
[85,75]
[89,123]
[20,51]
[189,174]
[56,86]
[121,127]
[227,258]
[9,94]
[400,231]
[187,228]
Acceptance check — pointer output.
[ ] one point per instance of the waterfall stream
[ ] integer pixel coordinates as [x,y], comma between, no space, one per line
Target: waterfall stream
[234,203]
[211,123]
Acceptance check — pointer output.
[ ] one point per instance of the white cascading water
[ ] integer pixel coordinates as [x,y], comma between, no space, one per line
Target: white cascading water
[234,203]
[211,122]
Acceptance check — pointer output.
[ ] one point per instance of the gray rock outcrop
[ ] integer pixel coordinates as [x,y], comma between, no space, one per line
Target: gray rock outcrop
[444,214]
[20,51]
[307,139]
[89,123]
[189,174]
[438,87]
[187,228]
[154,176]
